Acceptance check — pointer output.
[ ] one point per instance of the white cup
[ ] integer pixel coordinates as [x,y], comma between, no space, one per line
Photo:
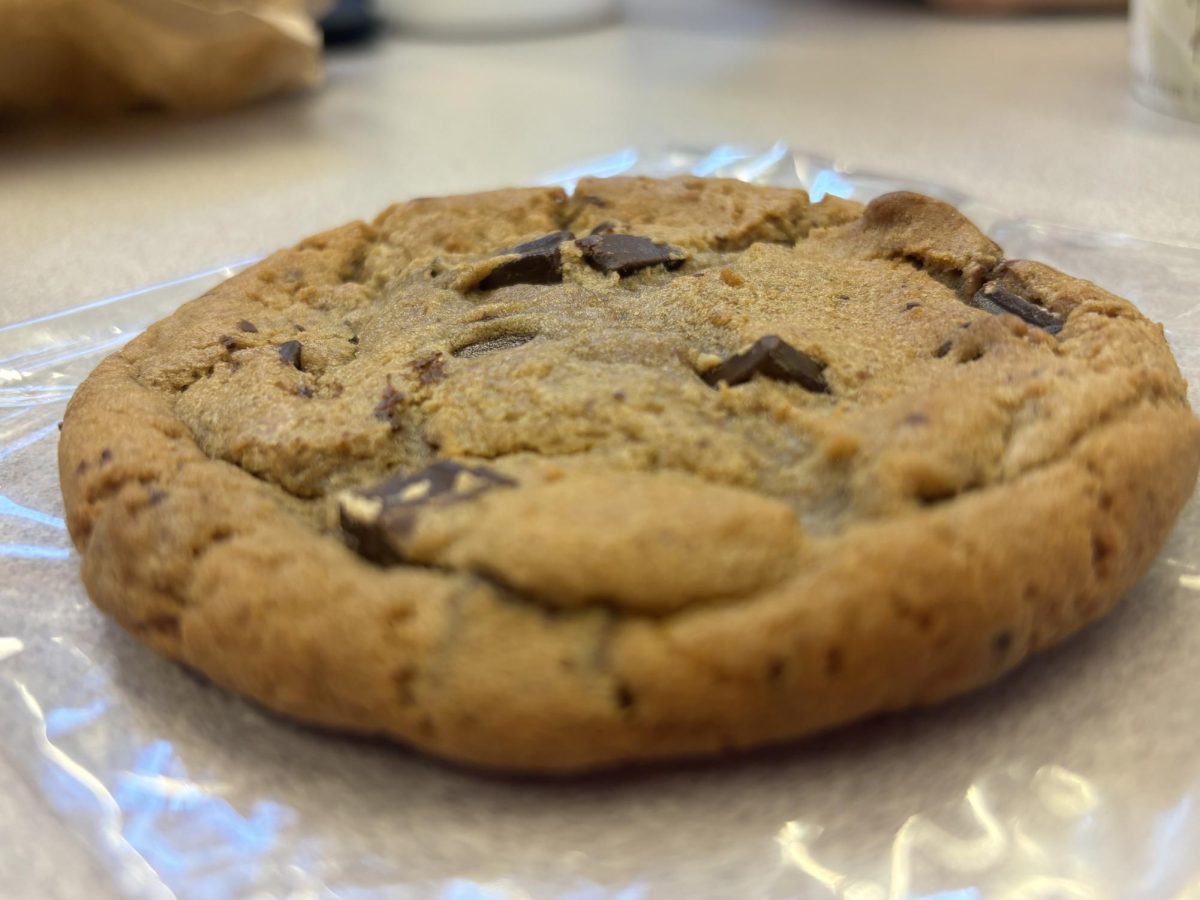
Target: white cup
[496,17]
[1165,50]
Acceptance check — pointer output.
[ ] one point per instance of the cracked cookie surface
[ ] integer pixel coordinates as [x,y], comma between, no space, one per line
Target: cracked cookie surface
[664,468]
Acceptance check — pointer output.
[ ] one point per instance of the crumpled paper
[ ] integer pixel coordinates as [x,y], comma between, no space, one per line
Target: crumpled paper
[180,55]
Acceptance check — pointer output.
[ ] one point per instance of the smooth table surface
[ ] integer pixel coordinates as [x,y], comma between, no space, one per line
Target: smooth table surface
[1032,116]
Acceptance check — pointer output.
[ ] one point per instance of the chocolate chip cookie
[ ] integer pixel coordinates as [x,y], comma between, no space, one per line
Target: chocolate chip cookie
[664,468]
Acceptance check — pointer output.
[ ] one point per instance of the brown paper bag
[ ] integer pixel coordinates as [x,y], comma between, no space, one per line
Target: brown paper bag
[184,55]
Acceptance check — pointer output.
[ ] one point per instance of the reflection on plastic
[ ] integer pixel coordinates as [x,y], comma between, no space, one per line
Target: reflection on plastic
[159,828]
[1005,838]
[165,829]
[12,510]
[601,167]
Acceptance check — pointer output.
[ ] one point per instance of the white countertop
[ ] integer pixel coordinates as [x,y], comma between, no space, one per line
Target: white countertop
[1032,116]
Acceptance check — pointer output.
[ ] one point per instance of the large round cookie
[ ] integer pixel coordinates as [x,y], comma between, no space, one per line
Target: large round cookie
[662,469]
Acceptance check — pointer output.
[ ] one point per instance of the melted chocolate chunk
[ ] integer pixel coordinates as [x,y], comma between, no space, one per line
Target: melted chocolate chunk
[229,343]
[627,253]
[376,517]
[500,342]
[247,326]
[540,262]
[995,299]
[771,357]
[289,352]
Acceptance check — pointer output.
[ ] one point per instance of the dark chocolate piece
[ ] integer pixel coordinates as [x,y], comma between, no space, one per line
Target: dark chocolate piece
[373,517]
[500,342]
[545,242]
[540,262]
[627,253]
[248,326]
[772,357]
[289,352]
[995,299]
[229,343]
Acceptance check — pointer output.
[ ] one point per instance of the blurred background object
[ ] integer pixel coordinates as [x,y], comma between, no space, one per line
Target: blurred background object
[182,55]
[489,17]
[1165,47]
[349,21]
[1021,7]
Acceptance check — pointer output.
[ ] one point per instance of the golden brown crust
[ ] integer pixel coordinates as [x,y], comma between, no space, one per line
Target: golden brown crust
[912,535]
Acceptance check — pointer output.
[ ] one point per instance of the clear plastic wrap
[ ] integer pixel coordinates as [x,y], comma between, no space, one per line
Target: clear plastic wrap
[1074,777]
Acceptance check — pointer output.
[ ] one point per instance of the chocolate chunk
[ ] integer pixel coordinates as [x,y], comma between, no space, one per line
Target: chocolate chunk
[305,391]
[230,344]
[378,517]
[771,357]
[429,369]
[289,352]
[545,242]
[995,299]
[500,342]
[539,262]
[248,326]
[627,253]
